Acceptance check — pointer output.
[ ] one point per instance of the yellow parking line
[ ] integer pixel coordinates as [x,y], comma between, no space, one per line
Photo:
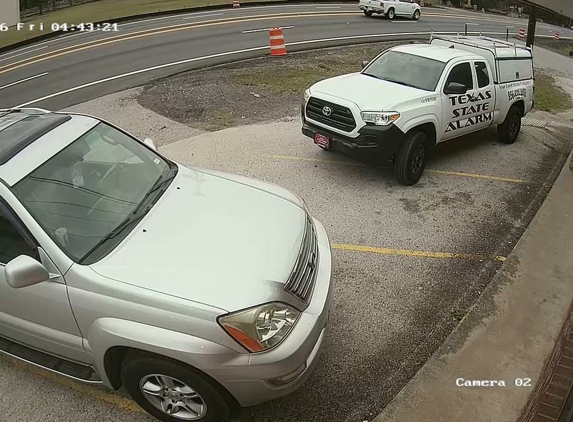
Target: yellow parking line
[444,172]
[475,176]
[421,254]
[109,397]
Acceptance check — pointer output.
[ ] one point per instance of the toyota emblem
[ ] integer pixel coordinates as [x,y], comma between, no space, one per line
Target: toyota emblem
[327,111]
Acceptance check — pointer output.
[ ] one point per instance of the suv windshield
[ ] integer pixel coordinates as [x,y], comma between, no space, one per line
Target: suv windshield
[406,69]
[89,194]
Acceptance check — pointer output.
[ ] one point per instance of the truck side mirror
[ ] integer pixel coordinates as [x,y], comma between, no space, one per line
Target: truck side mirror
[365,63]
[24,271]
[149,142]
[455,88]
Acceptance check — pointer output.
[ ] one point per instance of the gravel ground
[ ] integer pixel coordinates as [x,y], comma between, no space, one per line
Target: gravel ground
[250,91]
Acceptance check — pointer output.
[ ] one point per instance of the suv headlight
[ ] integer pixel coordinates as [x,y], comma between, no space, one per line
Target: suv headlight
[306,95]
[260,328]
[379,118]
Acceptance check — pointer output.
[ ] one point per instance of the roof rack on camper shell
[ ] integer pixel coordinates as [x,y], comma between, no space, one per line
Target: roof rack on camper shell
[510,62]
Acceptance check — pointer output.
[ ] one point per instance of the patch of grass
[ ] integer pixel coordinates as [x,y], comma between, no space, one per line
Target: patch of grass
[294,78]
[220,120]
[561,47]
[549,96]
[99,11]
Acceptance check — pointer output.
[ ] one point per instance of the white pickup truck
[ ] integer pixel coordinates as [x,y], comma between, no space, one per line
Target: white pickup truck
[411,97]
[391,8]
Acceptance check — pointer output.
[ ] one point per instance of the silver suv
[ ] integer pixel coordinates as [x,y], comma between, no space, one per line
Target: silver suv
[196,290]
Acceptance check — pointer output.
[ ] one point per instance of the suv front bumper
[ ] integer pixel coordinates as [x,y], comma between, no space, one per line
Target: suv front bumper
[377,143]
[248,384]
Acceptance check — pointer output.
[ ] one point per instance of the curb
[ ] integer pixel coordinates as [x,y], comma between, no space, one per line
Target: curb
[515,331]
[174,12]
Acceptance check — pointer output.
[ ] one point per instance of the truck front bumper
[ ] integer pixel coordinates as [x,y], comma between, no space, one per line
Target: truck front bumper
[376,144]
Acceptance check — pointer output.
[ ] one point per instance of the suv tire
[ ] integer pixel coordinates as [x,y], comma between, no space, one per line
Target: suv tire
[508,131]
[368,13]
[391,13]
[143,372]
[416,15]
[410,161]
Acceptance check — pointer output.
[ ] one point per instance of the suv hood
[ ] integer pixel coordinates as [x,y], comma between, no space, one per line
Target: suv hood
[226,241]
[367,92]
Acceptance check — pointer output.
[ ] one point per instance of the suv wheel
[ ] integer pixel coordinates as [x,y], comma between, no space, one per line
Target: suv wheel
[416,15]
[411,159]
[509,130]
[368,13]
[391,14]
[172,392]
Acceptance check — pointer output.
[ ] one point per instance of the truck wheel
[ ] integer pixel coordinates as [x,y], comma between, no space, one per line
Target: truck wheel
[391,14]
[416,15]
[411,159]
[508,131]
[172,392]
[368,13]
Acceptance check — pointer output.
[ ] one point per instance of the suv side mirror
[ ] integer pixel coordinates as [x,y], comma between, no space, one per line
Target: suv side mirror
[24,271]
[455,88]
[365,63]
[149,142]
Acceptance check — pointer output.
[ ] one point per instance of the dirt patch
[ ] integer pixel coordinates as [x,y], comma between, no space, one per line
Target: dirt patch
[251,91]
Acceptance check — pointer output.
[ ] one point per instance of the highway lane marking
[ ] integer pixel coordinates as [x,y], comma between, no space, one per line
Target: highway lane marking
[107,396]
[202,16]
[327,7]
[419,254]
[21,54]
[155,31]
[228,53]
[23,80]
[264,29]
[443,172]
[169,29]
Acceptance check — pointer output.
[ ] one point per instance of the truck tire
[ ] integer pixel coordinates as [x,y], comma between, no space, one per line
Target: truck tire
[508,131]
[148,380]
[368,13]
[391,13]
[410,161]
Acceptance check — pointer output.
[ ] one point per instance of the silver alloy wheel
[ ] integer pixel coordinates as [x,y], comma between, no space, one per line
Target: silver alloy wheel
[173,397]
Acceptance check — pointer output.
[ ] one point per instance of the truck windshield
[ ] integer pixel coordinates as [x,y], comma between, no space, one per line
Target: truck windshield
[87,196]
[406,69]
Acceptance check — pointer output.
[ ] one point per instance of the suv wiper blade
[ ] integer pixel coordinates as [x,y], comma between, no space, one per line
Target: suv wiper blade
[114,233]
[159,183]
[372,76]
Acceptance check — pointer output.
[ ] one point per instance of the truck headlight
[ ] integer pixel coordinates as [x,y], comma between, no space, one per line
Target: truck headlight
[306,95]
[379,118]
[260,328]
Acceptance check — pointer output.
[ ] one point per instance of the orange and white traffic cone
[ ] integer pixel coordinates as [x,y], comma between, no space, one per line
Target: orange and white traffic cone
[277,42]
[521,34]
[236,4]
[556,37]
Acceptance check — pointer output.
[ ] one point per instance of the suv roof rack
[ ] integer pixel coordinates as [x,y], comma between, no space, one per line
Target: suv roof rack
[21,127]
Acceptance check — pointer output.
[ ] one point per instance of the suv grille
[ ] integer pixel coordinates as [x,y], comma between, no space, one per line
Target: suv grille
[302,279]
[340,118]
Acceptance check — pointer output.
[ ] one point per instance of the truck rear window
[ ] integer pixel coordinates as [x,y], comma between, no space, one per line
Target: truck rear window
[406,69]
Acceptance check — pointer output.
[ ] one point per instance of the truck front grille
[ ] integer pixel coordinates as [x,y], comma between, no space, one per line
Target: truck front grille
[340,117]
[303,277]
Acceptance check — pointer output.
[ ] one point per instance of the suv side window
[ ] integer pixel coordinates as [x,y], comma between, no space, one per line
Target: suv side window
[12,243]
[482,74]
[461,74]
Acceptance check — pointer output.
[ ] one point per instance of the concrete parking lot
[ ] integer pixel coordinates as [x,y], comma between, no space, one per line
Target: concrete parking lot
[408,261]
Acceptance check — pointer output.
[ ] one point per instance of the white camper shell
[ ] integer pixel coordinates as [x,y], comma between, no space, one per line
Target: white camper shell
[509,62]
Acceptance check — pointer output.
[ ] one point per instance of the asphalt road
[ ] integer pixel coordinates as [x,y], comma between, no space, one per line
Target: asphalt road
[201,39]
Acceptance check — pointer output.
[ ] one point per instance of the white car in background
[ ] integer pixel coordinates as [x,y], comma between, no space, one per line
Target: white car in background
[391,8]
